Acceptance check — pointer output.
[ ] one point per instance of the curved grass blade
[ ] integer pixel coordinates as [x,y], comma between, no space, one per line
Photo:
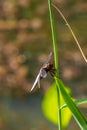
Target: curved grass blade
[72,106]
[77,102]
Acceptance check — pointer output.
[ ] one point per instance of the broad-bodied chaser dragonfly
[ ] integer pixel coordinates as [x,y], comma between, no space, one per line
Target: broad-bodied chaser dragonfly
[46,67]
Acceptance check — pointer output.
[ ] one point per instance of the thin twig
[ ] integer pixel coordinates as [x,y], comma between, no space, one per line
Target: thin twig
[82,53]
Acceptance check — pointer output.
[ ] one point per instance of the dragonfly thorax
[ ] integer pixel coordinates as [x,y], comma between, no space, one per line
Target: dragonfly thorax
[48,67]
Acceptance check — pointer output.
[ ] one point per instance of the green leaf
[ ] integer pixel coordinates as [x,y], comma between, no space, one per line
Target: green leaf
[50,107]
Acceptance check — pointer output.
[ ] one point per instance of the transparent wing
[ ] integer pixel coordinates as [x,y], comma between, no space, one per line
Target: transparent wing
[37,80]
[48,59]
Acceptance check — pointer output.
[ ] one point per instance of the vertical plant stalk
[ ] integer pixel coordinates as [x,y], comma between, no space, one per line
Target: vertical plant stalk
[56,60]
[53,37]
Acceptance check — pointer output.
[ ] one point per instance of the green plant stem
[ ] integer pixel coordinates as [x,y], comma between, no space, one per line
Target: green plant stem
[53,37]
[56,60]
[59,110]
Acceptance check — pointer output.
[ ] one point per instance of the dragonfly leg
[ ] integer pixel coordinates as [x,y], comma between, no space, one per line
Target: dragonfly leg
[52,72]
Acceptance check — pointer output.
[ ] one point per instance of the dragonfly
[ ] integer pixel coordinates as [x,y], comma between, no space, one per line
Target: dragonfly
[46,67]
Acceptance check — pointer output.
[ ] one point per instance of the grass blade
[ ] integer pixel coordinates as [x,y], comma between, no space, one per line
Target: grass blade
[72,106]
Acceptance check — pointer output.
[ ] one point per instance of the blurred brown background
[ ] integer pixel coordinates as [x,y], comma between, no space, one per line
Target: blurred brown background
[25,42]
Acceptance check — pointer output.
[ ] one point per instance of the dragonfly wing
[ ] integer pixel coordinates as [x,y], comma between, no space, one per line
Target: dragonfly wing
[39,82]
[50,56]
[36,81]
[40,76]
[48,59]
